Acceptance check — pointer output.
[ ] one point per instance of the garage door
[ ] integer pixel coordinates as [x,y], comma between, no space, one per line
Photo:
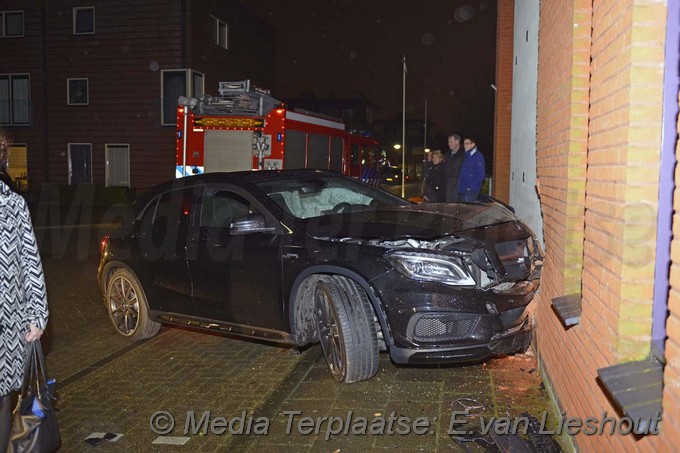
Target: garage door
[228,151]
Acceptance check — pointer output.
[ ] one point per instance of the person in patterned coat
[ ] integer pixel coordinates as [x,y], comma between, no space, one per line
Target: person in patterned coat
[23,302]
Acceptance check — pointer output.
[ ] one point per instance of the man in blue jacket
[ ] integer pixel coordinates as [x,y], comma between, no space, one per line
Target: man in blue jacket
[473,172]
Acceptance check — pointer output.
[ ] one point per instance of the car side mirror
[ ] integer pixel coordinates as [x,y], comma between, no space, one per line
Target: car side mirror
[252,223]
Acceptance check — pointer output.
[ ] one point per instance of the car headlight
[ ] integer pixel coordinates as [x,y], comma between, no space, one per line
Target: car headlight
[431,268]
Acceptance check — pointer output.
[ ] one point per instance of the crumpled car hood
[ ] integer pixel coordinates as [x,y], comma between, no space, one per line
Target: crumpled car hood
[480,222]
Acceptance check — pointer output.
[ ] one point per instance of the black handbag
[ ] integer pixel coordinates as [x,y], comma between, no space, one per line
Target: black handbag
[34,422]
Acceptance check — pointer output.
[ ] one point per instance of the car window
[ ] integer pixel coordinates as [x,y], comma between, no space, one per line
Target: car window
[221,207]
[174,207]
[313,196]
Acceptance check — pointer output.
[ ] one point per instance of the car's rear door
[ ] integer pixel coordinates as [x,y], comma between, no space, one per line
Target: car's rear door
[163,268]
[236,278]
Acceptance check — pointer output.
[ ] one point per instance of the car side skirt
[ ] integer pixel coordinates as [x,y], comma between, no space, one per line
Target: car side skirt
[212,325]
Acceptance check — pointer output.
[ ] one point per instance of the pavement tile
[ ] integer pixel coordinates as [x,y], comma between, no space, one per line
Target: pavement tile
[283,431]
[349,443]
[405,449]
[318,390]
[259,447]
[414,374]
[309,408]
[414,391]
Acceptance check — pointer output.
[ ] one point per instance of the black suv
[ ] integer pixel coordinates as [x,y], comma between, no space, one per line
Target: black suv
[311,256]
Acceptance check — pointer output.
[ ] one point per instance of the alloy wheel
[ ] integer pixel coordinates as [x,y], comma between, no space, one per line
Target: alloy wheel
[124,306]
[329,334]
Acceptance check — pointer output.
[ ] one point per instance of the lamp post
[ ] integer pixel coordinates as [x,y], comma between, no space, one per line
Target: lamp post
[397,147]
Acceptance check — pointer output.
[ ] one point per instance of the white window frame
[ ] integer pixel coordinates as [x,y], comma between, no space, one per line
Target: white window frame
[189,87]
[106,156]
[70,162]
[3,22]
[216,23]
[75,14]
[10,99]
[68,91]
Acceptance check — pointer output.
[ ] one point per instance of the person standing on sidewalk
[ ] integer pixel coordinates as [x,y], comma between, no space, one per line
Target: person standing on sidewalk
[435,179]
[473,172]
[454,164]
[23,298]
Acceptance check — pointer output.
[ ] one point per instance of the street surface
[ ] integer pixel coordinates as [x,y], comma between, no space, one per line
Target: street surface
[217,388]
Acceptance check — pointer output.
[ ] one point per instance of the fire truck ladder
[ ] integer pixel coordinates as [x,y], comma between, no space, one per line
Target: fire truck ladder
[237,98]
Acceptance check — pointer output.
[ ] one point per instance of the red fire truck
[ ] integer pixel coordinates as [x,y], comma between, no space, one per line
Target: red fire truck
[247,129]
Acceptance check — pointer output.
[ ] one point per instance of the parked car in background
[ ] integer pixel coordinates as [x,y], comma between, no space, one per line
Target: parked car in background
[309,256]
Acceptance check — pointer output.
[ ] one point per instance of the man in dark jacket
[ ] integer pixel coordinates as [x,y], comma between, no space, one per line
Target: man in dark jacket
[454,163]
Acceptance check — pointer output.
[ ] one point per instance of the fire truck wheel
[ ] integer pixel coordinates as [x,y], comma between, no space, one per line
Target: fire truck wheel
[344,322]
[126,304]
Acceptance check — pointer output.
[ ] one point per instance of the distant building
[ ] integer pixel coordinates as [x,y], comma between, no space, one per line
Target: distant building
[88,93]
[355,110]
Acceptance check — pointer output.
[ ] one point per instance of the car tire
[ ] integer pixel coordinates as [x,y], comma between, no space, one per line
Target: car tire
[344,321]
[127,307]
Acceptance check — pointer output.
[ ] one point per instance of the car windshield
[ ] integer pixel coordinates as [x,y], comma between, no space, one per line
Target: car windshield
[311,196]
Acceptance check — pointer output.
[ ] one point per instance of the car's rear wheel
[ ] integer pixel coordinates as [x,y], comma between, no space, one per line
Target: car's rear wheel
[126,304]
[344,322]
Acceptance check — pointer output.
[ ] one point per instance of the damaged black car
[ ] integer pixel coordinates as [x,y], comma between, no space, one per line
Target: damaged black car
[309,256]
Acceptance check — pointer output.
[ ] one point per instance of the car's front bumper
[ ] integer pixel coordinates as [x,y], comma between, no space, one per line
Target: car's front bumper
[435,323]
[514,339]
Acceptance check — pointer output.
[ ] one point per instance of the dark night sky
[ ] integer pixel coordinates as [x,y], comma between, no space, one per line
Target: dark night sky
[338,46]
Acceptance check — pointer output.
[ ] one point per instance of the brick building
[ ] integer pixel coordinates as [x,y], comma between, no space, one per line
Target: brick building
[88,89]
[601,123]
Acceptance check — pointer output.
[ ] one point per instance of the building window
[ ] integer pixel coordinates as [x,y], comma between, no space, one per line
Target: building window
[83,20]
[176,83]
[77,92]
[219,32]
[15,100]
[117,165]
[197,84]
[17,165]
[11,24]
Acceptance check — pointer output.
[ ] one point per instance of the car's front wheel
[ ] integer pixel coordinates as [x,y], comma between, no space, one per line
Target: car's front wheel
[344,323]
[126,304]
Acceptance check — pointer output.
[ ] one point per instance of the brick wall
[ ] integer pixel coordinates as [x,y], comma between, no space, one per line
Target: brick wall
[598,142]
[671,397]
[503,110]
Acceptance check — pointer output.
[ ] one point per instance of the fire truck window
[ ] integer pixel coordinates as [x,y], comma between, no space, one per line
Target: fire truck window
[221,208]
